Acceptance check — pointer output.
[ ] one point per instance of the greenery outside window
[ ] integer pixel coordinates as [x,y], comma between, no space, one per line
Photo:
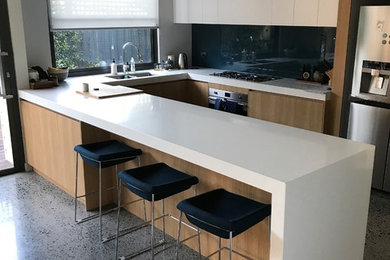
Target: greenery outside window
[86,35]
[88,51]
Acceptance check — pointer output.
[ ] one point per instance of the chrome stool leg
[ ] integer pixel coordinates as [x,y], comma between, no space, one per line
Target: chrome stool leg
[199,247]
[117,219]
[100,203]
[152,229]
[163,219]
[75,187]
[230,245]
[178,236]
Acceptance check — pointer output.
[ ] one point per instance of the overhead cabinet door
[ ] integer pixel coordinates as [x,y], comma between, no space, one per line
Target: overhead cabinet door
[195,11]
[256,12]
[282,12]
[328,12]
[210,11]
[306,12]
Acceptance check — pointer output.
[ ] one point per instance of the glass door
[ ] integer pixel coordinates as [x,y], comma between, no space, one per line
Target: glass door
[11,144]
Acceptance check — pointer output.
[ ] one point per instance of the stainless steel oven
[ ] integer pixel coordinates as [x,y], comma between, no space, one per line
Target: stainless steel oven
[232,102]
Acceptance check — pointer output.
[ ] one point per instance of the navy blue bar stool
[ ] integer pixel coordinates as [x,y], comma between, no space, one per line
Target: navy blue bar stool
[152,182]
[223,214]
[102,155]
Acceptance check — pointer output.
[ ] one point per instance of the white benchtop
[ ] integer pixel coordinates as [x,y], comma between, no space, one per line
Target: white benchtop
[200,134]
[319,184]
[289,87]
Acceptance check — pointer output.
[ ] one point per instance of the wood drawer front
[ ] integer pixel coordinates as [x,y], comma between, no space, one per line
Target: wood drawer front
[292,111]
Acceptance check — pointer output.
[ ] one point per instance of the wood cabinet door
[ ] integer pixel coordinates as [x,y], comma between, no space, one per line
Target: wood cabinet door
[49,140]
[199,93]
[292,111]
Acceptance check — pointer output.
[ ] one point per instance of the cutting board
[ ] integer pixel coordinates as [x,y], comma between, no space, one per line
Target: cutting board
[106,91]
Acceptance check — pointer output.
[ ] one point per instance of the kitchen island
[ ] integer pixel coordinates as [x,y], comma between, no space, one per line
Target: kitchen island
[318,185]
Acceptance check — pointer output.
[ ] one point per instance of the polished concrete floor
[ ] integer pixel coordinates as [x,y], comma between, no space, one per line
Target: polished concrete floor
[36,222]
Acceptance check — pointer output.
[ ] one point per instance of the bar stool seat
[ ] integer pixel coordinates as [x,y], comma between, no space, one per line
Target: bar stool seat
[152,182]
[223,213]
[108,153]
[157,179]
[101,155]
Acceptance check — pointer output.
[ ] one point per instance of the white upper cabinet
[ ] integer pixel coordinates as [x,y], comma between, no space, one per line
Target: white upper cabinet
[258,12]
[282,12]
[180,11]
[305,12]
[327,13]
[255,12]
[210,11]
[195,11]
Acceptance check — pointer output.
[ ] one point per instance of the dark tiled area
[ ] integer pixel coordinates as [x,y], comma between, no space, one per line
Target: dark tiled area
[36,222]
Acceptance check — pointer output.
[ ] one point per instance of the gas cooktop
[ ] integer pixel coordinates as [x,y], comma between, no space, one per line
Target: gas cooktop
[244,76]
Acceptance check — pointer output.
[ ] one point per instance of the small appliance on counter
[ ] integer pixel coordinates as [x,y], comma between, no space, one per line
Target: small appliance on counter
[182,61]
[369,117]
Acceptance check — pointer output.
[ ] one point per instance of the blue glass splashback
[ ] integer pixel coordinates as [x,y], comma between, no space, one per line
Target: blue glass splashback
[275,50]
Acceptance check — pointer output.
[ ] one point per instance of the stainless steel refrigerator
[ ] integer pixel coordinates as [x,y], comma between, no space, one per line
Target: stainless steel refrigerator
[369,118]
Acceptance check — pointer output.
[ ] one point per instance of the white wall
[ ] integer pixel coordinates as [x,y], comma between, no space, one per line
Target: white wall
[36,31]
[18,42]
[174,38]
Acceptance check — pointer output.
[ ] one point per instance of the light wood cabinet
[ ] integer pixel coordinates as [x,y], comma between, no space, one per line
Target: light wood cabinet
[288,110]
[188,91]
[49,140]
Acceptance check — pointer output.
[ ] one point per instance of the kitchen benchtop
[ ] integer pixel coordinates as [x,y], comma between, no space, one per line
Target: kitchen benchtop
[318,183]
[289,87]
[253,145]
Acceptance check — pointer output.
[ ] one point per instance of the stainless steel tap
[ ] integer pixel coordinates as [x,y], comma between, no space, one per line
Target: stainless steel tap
[138,52]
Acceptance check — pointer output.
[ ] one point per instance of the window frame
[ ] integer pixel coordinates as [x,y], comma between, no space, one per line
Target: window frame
[106,69]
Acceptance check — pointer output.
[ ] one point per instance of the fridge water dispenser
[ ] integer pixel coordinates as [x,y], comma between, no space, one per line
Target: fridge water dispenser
[375,78]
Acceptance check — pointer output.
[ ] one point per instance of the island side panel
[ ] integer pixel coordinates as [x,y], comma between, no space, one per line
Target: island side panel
[326,211]
[49,139]
[254,242]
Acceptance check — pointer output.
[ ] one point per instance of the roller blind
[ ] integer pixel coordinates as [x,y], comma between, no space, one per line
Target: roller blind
[88,14]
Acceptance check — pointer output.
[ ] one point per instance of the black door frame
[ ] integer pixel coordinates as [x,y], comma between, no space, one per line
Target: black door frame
[11,89]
